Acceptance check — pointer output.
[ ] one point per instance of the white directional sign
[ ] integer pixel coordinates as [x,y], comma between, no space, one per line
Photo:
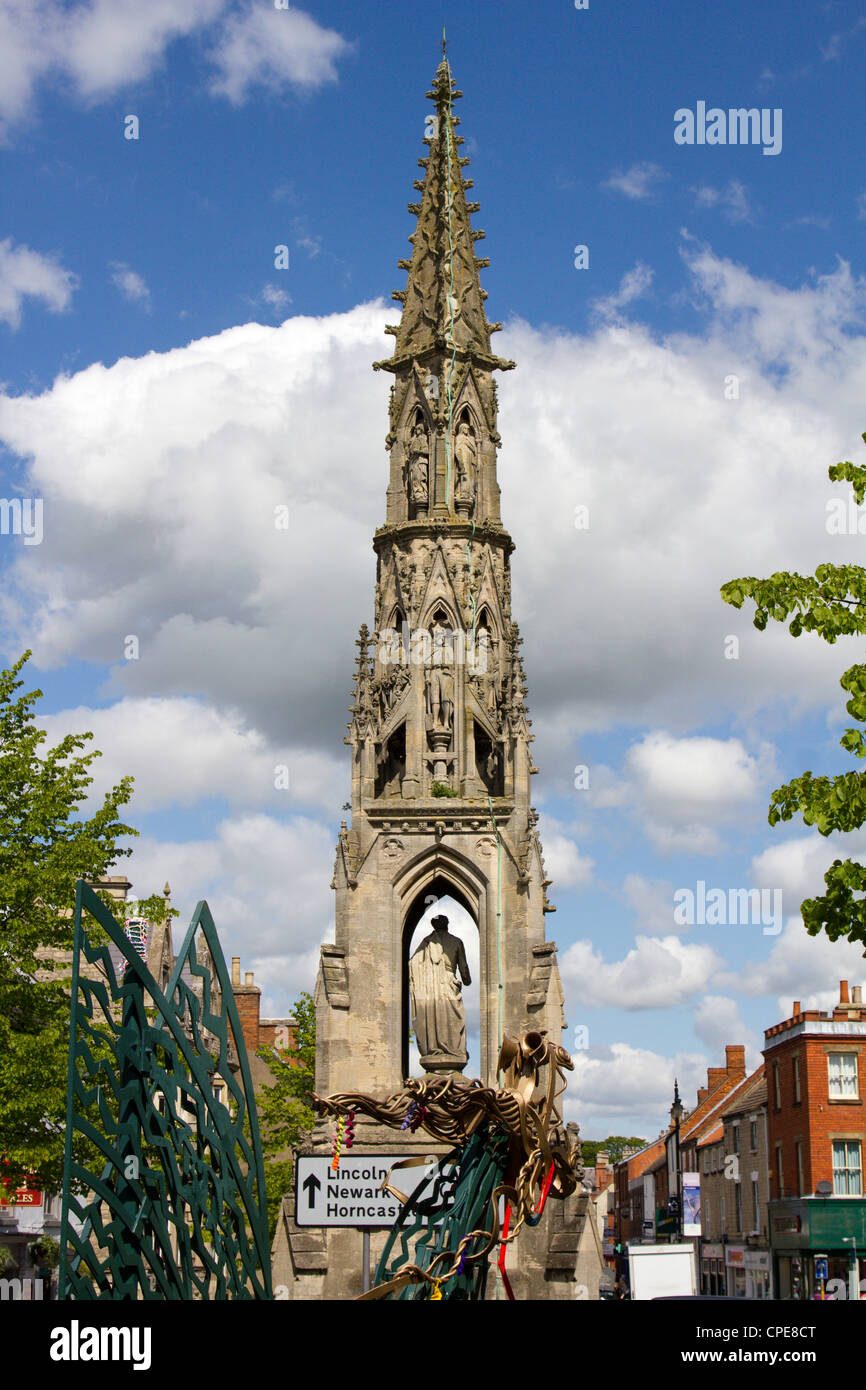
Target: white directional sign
[352,1196]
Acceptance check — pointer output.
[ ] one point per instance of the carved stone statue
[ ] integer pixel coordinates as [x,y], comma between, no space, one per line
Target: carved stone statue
[418,450]
[438,1013]
[466,454]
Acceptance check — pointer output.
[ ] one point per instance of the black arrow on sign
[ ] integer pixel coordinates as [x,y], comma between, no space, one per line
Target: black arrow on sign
[313,1185]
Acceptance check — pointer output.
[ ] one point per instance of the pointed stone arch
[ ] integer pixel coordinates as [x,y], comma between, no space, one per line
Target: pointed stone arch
[438,872]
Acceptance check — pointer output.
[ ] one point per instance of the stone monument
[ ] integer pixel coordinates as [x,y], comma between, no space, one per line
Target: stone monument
[440,744]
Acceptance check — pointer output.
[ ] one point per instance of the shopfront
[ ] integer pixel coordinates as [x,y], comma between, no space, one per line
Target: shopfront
[712,1268]
[814,1240]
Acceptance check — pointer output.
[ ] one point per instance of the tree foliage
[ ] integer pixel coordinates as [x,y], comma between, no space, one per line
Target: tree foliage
[832,602]
[615,1146]
[285,1109]
[45,845]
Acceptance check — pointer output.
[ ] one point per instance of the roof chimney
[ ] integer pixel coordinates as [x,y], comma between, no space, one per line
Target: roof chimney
[797,1008]
[735,1059]
[857,994]
[843,992]
[236,970]
[248,977]
[715,1077]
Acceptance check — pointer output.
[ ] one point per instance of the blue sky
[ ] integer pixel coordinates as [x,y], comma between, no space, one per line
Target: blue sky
[164,386]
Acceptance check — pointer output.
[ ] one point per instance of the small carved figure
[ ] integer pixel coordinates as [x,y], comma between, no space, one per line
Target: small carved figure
[466,454]
[419,467]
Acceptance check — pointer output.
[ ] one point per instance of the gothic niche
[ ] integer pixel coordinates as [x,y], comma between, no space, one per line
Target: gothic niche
[439,695]
[485,674]
[391,763]
[417,452]
[488,761]
[466,461]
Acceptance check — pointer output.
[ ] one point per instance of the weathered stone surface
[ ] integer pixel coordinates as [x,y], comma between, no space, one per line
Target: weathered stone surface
[440,733]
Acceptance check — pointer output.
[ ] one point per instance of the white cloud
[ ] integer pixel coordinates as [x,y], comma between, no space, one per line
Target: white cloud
[266,883]
[187,453]
[563,860]
[26,274]
[797,866]
[638,181]
[733,200]
[682,788]
[717,1022]
[131,285]
[100,47]
[799,966]
[264,46]
[658,973]
[275,298]
[633,285]
[652,901]
[623,1089]
[181,752]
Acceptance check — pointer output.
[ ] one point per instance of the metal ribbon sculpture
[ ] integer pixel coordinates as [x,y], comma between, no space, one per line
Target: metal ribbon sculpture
[510,1143]
[177,1210]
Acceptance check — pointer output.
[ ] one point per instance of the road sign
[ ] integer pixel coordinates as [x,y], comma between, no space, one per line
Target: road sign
[821,1268]
[353,1195]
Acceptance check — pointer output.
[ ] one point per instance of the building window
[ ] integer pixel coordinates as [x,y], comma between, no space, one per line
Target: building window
[753,1136]
[738,1198]
[842,1075]
[756,1218]
[847,1171]
[798,1150]
[722,1227]
[797,1095]
[735,1138]
[780,1181]
[777,1089]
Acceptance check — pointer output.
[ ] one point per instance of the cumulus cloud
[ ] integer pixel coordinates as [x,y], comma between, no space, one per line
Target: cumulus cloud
[717,1022]
[657,973]
[682,785]
[99,47]
[267,885]
[638,181]
[181,752]
[190,452]
[563,860]
[622,1089]
[263,46]
[26,274]
[799,966]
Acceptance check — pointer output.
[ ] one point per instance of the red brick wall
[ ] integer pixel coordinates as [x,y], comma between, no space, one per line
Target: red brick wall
[817,1117]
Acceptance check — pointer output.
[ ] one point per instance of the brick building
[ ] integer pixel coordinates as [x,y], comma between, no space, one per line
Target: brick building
[815,1066]
[279,1033]
[732,1158]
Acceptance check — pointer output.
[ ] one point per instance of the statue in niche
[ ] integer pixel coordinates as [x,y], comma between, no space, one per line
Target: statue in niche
[418,449]
[440,678]
[438,1013]
[466,454]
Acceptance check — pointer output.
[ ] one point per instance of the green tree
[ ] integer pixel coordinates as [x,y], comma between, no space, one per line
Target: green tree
[45,845]
[832,602]
[285,1109]
[614,1146]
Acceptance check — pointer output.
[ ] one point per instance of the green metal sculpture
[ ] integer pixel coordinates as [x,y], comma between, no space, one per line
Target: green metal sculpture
[512,1150]
[172,1203]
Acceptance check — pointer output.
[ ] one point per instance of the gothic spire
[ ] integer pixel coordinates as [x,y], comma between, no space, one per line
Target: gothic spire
[443,302]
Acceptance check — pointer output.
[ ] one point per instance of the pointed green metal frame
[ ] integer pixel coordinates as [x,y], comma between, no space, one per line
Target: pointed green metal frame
[178,1209]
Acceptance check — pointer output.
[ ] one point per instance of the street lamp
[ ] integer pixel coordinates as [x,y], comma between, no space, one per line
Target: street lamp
[854,1271]
[676,1119]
